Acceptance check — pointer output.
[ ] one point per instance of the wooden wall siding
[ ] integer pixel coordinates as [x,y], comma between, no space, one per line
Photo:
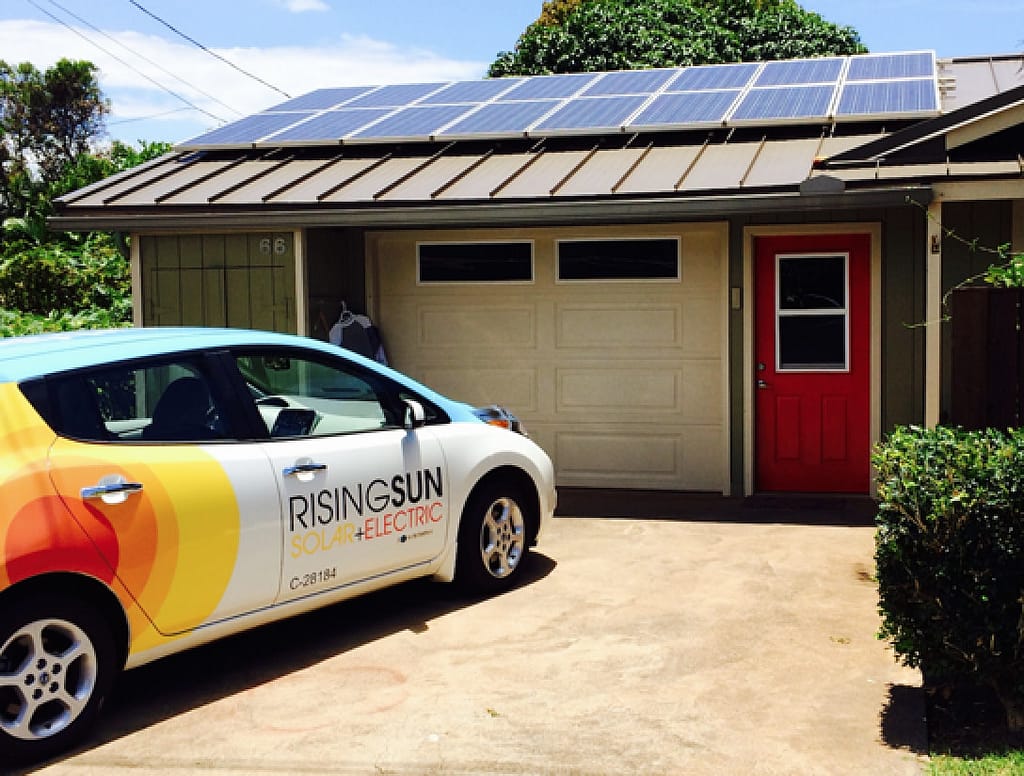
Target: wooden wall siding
[235,280]
[988,358]
[990,224]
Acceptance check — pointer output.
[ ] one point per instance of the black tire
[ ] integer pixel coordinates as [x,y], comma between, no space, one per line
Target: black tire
[494,539]
[57,664]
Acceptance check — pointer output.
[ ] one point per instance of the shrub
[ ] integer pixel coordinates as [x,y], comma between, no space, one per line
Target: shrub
[949,550]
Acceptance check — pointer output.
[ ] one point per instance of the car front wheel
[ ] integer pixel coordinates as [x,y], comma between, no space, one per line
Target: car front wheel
[57,662]
[493,539]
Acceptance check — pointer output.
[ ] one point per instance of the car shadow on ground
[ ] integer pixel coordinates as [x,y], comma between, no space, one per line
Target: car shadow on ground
[152,693]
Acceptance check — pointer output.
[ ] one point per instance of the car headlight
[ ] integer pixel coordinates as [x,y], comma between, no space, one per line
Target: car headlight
[496,415]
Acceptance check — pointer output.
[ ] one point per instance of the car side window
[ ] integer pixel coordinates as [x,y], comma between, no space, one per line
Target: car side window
[169,401]
[300,394]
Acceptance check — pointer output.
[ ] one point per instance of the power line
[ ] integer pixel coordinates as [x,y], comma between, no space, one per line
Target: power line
[144,58]
[194,42]
[116,58]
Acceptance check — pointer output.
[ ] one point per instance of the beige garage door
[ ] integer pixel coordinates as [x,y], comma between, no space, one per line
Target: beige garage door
[622,381]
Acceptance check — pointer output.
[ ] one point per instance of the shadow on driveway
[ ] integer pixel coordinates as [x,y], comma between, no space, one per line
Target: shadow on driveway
[166,688]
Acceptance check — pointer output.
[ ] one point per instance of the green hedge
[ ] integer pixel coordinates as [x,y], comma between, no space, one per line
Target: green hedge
[949,550]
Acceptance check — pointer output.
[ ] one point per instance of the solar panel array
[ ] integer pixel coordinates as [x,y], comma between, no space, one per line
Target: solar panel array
[901,85]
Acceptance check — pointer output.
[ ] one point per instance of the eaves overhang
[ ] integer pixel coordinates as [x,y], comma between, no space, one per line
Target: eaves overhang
[966,124]
[632,210]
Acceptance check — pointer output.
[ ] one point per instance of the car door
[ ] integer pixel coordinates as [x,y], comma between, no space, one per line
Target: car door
[184,512]
[361,495]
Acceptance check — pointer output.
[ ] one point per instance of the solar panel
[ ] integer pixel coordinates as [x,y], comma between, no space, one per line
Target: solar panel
[248,130]
[546,87]
[630,82]
[714,77]
[797,91]
[596,113]
[785,102]
[502,118]
[321,99]
[888,97]
[471,91]
[394,96]
[414,122]
[887,66]
[800,71]
[686,108]
[332,125]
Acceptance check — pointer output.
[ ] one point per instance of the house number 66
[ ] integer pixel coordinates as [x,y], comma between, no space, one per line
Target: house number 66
[280,247]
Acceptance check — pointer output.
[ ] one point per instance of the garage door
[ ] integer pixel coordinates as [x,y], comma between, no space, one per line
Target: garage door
[608,343]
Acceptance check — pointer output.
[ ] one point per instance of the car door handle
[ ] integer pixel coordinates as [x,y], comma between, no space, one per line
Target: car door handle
[304,467]
[114,490]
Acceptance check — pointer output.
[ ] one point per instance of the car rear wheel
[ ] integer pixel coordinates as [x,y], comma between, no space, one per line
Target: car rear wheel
[57,663]
[493,539]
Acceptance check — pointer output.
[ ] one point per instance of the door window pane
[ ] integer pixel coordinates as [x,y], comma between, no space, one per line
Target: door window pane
[298,396]
[161,402]
[809,283]
[649,259]
[812,342]
[475,262]
[811,313]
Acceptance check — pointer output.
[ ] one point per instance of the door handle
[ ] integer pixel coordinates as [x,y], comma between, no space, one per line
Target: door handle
[761,384]
[113,489]
[304,467]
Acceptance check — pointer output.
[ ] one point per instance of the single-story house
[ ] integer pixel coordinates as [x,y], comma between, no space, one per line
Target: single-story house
[723,278]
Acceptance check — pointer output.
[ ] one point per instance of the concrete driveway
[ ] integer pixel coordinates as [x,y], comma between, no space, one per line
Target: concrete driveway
[636,647]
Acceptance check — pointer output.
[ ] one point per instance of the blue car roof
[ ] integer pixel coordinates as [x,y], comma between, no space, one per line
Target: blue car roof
[22,358]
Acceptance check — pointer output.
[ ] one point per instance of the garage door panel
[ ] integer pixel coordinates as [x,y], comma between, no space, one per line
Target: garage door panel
[702,325]
[482,385]
[702,261]
[606,326]
[461,325]
[617,392]
[622,382]
[605,453]
[702,391]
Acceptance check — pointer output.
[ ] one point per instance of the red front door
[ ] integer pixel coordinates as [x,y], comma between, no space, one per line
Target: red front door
[812,366]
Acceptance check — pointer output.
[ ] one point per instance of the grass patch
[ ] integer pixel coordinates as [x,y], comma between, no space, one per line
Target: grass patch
[967,735]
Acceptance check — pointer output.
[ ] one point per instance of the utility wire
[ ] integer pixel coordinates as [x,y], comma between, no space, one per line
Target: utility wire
[194,42]
[144,58]
[111,54]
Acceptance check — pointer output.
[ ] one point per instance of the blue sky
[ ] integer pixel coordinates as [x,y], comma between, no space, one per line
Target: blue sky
[296,46]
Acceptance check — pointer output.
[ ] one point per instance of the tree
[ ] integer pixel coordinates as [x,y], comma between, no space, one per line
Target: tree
[47,119]
[588,35]
[49,123]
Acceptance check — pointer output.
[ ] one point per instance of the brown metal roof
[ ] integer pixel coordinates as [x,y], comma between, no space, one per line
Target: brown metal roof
[687,170]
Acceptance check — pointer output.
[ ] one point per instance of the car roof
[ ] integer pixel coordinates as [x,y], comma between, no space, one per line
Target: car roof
[22,358]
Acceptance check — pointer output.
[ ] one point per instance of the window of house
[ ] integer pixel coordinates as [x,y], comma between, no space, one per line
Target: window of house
[812,313]
[626,259]
[475,262]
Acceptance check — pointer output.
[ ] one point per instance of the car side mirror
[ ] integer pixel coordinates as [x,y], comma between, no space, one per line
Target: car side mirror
[414,415]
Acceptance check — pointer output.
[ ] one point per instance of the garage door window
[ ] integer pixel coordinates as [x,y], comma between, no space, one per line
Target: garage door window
[635,259]
[496,262]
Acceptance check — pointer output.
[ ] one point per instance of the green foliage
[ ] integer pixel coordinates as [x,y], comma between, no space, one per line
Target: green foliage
[47,119]
[949,550]
[1009,273]
[50,281]
[589,35]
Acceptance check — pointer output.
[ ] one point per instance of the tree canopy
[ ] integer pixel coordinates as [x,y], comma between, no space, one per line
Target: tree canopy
[589,35]
[49,124]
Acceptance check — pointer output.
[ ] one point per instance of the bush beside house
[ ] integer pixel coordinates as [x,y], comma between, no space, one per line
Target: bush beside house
[950,557]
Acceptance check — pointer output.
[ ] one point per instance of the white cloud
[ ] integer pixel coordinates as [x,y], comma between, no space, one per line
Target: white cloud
[351,61]
[301,6]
